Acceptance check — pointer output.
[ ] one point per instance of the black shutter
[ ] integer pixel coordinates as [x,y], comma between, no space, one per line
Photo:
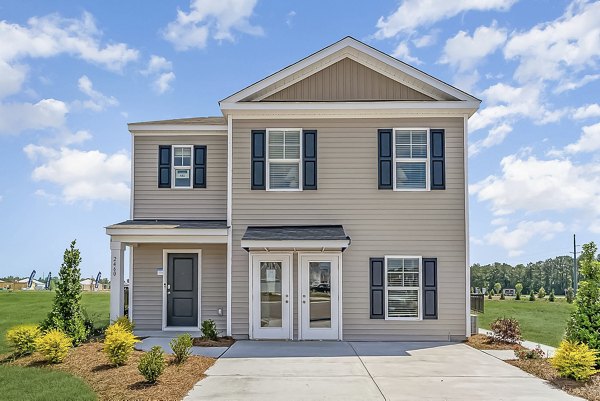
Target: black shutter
[200,166]
[430,298]
[309,162]
[164,166]
[258,159]
[377,293]
[386,155]
[438,167]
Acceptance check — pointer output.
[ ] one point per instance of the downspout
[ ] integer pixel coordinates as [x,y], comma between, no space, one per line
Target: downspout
[468,266]
[229,214]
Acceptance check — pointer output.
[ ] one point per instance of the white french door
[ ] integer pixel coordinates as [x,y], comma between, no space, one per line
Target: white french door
[271,296]
[319,296]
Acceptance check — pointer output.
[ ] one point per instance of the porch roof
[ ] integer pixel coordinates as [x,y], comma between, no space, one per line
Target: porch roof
[270,237]
[169,231]
[206,224]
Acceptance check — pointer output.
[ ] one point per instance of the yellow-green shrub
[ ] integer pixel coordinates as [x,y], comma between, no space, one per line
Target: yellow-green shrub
[574,360]
[54,345]
[125,322]
[118,343]
[22,338]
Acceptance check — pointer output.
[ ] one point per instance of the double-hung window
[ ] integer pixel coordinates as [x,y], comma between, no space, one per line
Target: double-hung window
[182,166]
[411,159]
[284,150]
[403,287]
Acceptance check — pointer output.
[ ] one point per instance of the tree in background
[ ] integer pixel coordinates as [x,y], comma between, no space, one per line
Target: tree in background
[584,325]
[532,295]
[497,288]
[541,293]
[518,291]
[551,297]
[570,295]
[67,314]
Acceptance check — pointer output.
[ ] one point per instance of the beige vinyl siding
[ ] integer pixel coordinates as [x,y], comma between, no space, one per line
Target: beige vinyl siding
[147,284]
[151,202]
[380,222]
[346,80]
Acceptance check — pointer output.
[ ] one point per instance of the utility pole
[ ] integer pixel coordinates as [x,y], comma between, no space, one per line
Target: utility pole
[575,278]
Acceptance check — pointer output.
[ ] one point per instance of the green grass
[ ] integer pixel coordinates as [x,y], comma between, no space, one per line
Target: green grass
[541,321]
[32,384]
[32,307]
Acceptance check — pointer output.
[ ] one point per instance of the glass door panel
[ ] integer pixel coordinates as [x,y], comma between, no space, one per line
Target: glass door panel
[320,294]
[270,294]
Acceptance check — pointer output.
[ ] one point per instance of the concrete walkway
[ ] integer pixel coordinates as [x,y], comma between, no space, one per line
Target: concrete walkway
[508,355]
[363,371]
[147,343]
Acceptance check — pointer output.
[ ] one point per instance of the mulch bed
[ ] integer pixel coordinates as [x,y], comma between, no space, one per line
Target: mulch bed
[483,342]
[220,342]
[125,382]
[590,389]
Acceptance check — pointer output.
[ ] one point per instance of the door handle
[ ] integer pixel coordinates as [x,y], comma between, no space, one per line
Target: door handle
[168,292]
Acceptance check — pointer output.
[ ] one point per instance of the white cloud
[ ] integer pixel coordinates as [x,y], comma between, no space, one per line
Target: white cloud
[533,185]
[426,40]
[587,111]
[412,14]
[18,117]
[589,141]
[495,137]
[463,52]
[216,19]
[11,78]
[560,48]
[515,240]
[289,18]
[163,82]
[567,84]
[402,52]
[97,101]
[82,176]
[159,68]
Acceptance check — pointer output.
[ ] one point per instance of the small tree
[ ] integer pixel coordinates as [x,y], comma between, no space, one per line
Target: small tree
[531,295]
[584,325]
[490,295]
[570,295]
[551,297]
[497,288]
[541,293]
[67,314]
[518,291]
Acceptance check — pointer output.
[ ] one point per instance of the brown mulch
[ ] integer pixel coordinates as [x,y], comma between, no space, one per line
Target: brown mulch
[220,342]
[125,382]
[481,341]
[590,389]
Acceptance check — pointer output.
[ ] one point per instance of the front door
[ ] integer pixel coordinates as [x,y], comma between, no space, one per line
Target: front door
[271,300]
[182,290]
[319,295]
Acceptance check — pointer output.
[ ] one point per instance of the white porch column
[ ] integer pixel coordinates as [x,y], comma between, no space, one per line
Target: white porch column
[117,271]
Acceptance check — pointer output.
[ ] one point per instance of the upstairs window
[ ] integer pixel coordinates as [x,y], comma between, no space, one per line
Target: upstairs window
[182,166]
[284,151]
[411,159]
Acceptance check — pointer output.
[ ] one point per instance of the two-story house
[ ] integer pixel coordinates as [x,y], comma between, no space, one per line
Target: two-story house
[328,202]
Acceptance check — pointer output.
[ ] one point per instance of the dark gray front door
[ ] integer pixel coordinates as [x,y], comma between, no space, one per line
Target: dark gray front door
[182,290]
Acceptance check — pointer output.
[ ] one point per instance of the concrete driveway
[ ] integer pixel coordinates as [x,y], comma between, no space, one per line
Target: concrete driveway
[363,371]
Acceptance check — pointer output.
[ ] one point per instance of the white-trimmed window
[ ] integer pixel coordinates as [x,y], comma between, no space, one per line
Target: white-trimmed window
[284,168]
[182,166]
[411,159]
[403,287]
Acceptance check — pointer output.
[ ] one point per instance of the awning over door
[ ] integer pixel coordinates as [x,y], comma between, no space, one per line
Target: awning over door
[295,237]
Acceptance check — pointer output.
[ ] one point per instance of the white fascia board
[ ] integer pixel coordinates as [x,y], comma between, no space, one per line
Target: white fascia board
[134,128]
[328,51]
[400,105]
[170,239]
[182,232]
[295,244]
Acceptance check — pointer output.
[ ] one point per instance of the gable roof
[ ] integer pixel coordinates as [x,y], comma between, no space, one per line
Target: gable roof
[361,53]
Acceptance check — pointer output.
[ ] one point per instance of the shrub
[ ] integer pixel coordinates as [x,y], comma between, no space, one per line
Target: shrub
[570,295]
[536,353]
[574,360]
[67,314]
[118,344]
[125,323]
[209,330]
[54,345]
[502,295]
[551,298]
[490,295]
[22,338]
[518,290]
[531,295]
[152,364]
[541,293]
[506,330]
[497,288]
[181,346]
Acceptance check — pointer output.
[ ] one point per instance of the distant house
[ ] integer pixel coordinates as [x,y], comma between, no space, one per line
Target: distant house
[509,292]
[4,285]
[22,285]
[89,284]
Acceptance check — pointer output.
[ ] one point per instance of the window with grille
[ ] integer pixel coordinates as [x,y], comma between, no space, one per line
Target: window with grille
[284,159]
[182,166]
[403,289]
[411,159]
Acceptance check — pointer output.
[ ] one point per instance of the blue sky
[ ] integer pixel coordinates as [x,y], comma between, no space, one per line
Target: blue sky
[72,76]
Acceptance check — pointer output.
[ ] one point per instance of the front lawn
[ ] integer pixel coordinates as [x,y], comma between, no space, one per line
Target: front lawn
[541,321]
[19,383]
[32,307]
